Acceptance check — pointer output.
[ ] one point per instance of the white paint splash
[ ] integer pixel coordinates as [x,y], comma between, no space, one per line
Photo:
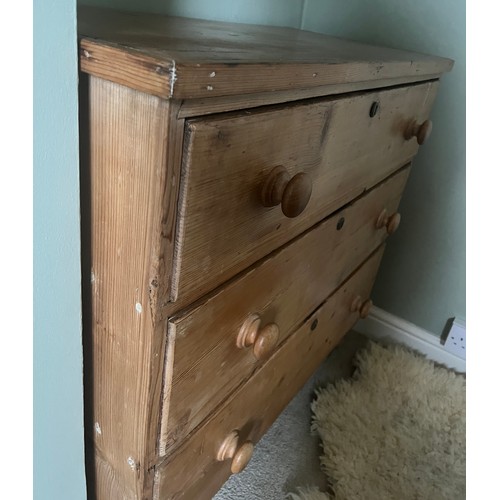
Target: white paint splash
[131,462]
[209,87]
[211,75]
[98,428]
[173,77]
[138,307]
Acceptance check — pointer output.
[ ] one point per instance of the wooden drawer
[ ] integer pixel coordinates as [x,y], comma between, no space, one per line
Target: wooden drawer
[222,224]
[205,363]
[194,471]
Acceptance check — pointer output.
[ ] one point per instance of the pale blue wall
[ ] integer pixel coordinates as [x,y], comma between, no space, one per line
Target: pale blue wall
[58,458]
[422,278]
[272,12]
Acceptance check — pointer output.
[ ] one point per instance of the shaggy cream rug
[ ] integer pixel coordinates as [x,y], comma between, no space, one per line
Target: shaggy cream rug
[394,431]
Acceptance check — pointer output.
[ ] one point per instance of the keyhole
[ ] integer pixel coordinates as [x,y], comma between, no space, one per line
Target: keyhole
[374,109]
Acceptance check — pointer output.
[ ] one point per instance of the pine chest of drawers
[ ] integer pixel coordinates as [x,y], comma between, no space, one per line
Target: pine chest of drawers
[238,187]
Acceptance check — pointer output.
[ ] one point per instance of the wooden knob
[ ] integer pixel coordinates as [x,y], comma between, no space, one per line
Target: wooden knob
[363,307]
[240,454]
[242,457]
[421,131]
[263,340]
[293,193]
[391,223]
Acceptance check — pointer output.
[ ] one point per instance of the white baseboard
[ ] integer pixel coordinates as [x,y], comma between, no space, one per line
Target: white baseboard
[385,327]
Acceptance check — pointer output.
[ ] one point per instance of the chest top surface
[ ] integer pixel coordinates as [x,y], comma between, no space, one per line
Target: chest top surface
[176,57]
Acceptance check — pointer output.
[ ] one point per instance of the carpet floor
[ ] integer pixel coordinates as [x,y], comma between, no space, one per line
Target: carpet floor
[395,430]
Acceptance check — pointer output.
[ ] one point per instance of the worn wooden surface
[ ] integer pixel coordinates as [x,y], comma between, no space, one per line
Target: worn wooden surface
[200,107]
[165,214]
[186,58]
[284,289]
[108,483]
[193,471]
[132,198]
[222,225]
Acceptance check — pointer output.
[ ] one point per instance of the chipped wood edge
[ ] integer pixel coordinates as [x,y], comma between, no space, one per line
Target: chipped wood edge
[181,215]
[168,373]
[163,252]
[128,67]
[161,354]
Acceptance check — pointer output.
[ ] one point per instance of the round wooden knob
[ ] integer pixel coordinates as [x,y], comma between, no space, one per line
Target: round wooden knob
[242,457]
[363,307]
[391,223]
[263,340]
[293,193]
[421,131]
[240,454]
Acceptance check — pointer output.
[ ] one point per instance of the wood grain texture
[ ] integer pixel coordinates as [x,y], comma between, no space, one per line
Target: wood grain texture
[131,245]
[206,106]
[186,58]
[109,485]
[194,471]
[126,67]
[208,365]
[222,225]
[164,214]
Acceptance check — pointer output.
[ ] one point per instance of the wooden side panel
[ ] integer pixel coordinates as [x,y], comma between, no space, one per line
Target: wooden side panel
[109,485]
[223,227]
[193,472]
[131,202]
[285,288]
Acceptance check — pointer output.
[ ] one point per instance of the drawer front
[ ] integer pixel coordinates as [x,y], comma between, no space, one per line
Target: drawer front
[231,162]
[207,358]
[194,471]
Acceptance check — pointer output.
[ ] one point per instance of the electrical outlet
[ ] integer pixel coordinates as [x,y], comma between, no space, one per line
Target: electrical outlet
[455,341]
